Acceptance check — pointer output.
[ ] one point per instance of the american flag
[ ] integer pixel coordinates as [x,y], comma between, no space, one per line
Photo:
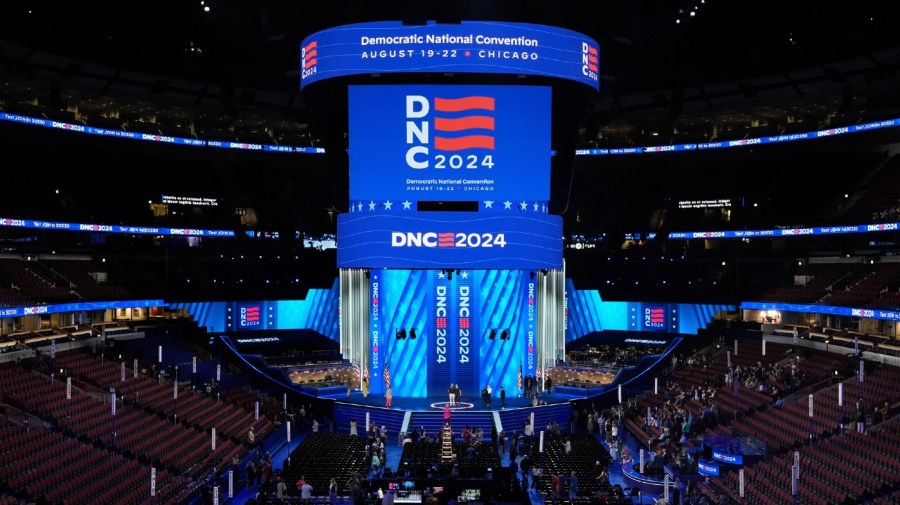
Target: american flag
[519,377]
[537,374]
[387,376]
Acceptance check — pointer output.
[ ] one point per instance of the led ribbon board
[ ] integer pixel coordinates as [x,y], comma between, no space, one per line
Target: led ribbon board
[526,240]
[449,143]
[481,47]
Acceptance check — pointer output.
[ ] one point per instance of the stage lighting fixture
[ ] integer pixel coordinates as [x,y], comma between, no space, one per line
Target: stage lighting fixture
[401,334]
[412,333]
[504,335]
[492,335]
[531,275]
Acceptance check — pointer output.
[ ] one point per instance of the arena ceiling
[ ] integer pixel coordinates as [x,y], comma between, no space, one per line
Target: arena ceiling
[670,71]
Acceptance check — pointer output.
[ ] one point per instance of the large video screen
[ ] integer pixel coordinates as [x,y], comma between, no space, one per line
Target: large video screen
[444,240]
[449,143]
[481,47]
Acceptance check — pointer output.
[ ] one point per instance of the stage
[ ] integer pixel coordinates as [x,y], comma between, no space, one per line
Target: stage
[437,403]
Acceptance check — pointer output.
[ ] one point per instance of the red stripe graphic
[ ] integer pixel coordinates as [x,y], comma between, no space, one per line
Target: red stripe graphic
[441,322]
[592,50]
[311,46]
[463,123]
[464,103]
[310,59]
[462,143]
[464,322]
[446,239]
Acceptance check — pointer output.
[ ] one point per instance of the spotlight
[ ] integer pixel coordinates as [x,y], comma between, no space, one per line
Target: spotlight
[504,335]
[492,335]
[412,333]
[401,334]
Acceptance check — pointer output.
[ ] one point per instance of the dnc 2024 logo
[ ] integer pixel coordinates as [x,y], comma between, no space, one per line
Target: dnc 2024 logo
[309,55]
[654,317]
[249,316]
[450,133]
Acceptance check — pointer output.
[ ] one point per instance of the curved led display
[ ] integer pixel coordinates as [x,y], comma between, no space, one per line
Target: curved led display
[449,240]
[480,47]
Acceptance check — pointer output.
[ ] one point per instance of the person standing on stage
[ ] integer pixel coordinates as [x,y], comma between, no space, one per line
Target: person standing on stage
[452,392]
[457,393]
[490,393]
[502,398]
[388,397]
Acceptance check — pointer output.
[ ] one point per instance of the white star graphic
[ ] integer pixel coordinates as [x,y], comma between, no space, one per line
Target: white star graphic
[524,205]
[441,274]
[507,205]
[372,205]
[488,204]
[535,206]
[406,205]
[464,275]
[359,207]
[388,204]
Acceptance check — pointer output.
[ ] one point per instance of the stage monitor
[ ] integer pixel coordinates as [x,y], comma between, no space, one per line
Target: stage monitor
[471,47]
[469,495]
[448,143]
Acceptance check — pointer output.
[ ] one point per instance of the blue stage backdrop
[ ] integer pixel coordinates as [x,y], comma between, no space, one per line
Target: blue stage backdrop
[318,311]
[453,314]
[402,305]
[587,313]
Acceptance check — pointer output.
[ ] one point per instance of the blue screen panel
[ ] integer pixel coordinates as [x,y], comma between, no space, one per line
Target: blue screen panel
[449,143]
[481,47]
[449,240]
[586,313]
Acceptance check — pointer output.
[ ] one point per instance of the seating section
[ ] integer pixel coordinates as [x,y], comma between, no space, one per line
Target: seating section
[191,408]
[586,452]
[323,456]
[839,465]
[142,429]
[418,458]
[30,282]
[53,468]
[90,279]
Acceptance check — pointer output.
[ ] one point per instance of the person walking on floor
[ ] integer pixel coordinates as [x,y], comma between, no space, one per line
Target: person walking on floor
[332,491]
[573,486]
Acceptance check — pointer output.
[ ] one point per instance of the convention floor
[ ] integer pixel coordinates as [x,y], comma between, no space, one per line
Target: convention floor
[281,450]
